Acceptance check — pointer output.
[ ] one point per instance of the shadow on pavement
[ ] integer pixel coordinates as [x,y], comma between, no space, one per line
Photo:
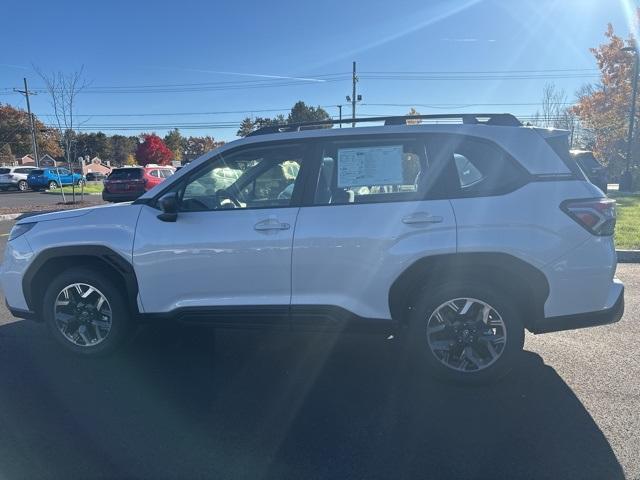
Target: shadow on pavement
[181,403]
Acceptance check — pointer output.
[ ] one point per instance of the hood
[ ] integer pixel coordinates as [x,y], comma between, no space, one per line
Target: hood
[30,217]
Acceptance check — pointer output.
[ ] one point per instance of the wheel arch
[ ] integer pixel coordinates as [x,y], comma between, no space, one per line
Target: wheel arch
[523,282]
[56,259]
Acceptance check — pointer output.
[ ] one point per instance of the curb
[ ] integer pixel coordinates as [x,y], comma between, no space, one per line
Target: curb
[9,216]
[628,256]
[69,194]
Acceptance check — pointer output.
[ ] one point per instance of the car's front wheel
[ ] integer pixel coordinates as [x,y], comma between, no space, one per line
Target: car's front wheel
[466,332]
[23,186]
[86,313]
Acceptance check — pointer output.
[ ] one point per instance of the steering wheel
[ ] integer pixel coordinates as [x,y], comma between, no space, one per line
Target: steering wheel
[224,194]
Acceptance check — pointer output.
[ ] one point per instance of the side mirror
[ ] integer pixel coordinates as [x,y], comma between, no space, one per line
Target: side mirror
[169,205]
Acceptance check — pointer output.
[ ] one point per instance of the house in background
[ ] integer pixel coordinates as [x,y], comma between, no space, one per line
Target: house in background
[95,165]
[47,161]
[27,161]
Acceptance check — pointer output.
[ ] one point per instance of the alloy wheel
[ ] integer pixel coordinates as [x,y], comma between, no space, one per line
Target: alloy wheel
[466,334]
[83,315]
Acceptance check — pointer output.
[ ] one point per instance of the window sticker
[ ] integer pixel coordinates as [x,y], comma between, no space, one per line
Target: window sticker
[365,166]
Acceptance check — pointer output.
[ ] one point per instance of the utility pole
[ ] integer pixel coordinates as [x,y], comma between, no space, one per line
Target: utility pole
[34,142]
[340,114]
[627,179]
[354,79]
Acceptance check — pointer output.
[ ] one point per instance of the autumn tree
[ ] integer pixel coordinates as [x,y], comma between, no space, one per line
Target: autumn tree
[603,108]
[196,146]
[122,147]
[15,134]
[174,142]
[153,150]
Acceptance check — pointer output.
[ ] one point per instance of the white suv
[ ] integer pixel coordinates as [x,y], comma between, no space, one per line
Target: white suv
[456,237]
[14,177]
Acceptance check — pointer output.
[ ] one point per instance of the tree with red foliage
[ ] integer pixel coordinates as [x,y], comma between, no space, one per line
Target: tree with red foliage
[153,150]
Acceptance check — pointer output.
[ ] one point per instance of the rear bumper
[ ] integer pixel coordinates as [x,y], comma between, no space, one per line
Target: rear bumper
[582,320]
[120,196]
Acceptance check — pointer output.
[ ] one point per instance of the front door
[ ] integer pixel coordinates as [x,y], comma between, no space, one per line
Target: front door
[229,251]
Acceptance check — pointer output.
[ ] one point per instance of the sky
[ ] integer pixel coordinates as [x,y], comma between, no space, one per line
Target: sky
[202,66]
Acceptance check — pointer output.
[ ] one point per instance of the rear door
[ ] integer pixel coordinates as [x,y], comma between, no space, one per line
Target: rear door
[373,212]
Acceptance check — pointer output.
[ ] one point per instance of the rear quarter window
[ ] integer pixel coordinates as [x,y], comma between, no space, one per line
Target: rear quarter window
[474,167]
[4,171]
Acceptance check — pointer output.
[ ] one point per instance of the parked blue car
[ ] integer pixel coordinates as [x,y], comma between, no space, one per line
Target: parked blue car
[52,178]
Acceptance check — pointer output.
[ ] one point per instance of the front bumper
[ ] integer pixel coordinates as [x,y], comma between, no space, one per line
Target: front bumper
[582,320]
[20,313]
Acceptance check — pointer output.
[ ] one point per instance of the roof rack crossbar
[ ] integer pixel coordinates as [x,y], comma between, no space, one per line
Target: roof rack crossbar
[498,119]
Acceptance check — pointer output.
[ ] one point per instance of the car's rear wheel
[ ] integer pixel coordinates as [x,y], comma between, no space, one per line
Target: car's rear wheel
[469,333]
[23,186]
[53,185]
[86,313]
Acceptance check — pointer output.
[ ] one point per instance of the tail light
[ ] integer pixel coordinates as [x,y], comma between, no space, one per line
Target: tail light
[597,215]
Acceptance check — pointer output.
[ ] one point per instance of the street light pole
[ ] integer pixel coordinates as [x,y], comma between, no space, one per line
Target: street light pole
[627,180]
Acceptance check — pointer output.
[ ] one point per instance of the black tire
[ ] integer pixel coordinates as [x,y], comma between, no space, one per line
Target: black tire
[430,298]
[53,185]
[23,186]
[120,317]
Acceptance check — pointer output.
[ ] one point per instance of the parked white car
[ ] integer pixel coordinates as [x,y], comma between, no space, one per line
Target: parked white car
[14,177]
[456,237]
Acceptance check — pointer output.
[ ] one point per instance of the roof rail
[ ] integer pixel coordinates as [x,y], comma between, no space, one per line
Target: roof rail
[497,119]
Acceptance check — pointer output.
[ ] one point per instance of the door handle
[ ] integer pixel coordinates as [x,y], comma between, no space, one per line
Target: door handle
[421,218]
[271,224]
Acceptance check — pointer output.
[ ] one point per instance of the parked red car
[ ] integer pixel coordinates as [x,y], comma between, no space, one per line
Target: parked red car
[128,183]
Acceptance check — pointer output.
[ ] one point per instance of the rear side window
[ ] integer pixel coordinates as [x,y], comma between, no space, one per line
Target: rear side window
[370,171]
[560,145]
[37,172]
[478,167]
[126,174]
[23,170]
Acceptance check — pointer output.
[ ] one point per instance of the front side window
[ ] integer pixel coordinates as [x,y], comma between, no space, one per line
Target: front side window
[249,178]
[371,171]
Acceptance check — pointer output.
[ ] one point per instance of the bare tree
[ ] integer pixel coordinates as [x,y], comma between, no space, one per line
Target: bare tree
[554,103]
[63,89]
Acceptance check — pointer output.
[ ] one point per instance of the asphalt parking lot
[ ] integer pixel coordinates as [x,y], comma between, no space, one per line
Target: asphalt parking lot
[188,403]
[12,199]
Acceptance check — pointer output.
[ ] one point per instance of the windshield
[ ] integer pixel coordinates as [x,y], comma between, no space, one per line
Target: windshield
[126,174]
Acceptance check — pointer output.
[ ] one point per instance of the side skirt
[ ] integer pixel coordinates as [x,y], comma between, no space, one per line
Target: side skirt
[314,318]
